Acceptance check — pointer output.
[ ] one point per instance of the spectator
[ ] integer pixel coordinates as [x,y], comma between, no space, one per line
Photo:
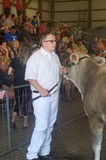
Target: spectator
[4,53]
[11,36]
[64,31]
[13,7]
[13,19]
[71,42]
[93,46]
[62,46]
[14,49]
[4,28]
[100,45]
[19,8]
[38,18]
[35,21]
[6,6]
[25,34]
[17,69]
[42,27]
[9,21]
[5,80]
[70,45]
[34,25]
[80,47]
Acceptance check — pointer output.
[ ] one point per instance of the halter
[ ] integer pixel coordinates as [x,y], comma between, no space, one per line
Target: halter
[70,64]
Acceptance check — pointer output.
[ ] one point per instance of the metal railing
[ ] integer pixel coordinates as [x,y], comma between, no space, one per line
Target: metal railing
[11,138]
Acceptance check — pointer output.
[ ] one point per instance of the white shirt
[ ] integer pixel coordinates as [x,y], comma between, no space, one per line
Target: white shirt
[43,67]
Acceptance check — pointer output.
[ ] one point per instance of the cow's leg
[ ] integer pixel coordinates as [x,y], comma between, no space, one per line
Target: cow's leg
[96,125]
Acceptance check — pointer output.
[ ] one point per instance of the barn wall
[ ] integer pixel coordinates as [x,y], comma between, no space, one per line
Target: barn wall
[98,13]
[1,6]
[67,12]
[71,10]
[45,10]
[32,8]
[75,12]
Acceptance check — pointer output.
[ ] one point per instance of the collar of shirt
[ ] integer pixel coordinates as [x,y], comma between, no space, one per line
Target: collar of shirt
[45,53]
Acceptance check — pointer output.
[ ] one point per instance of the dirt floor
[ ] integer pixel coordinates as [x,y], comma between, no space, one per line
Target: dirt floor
[70,142]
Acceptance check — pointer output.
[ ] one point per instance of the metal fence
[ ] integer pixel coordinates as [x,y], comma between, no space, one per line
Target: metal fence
[11,138]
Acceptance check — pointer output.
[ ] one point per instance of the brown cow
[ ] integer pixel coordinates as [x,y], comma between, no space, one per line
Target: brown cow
[89,76]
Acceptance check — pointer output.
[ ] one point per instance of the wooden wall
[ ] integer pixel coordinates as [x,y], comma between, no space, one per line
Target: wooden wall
[98,13]
[32,8]
[88,13]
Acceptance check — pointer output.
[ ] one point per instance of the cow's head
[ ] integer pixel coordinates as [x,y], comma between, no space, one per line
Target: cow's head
[76,57]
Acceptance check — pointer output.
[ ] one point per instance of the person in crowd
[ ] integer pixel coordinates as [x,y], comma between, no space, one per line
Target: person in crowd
[43,72]
[64,31]
[93,46]
[9,21]
[38,18]
[4,53]
[35,25]
[25,34]
[100,45]
[6,7]
[11,36]
[57,35]
[42,27]
[4,28]
[70,45]
[79,46]
[74,33]
[62,46]
[19,8]
[22,96]
[14,19]
[5,80]
[13,51]
[13,8]
[71,42]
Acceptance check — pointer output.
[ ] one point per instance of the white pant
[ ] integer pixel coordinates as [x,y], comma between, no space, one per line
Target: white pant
[45,111]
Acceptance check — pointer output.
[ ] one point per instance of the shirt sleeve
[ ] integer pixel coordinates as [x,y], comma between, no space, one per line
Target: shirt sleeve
[31,71]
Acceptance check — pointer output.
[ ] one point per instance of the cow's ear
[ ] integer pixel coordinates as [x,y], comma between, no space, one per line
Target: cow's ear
[99,60]
[74,58]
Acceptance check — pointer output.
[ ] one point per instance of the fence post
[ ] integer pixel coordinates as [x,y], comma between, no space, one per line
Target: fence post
[8,119]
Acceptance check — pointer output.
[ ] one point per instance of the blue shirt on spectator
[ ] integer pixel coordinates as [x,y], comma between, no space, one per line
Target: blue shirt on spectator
[10,37]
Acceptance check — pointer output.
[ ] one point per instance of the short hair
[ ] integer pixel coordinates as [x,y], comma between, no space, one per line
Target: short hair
[44,35]
[13,27]
[34,16]
[37,12]
[79,40]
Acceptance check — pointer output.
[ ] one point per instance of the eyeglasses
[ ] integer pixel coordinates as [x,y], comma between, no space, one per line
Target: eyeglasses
[51,41]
